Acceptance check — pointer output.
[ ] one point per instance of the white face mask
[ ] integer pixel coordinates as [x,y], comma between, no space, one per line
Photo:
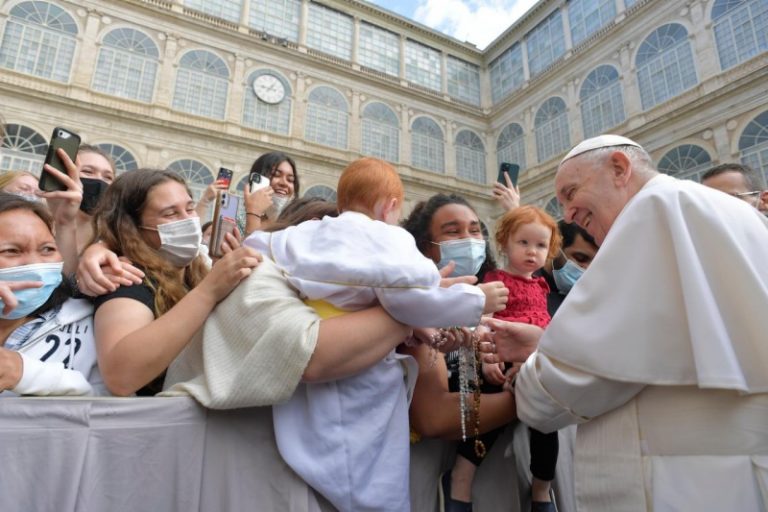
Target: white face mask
[279,203]
[179,240]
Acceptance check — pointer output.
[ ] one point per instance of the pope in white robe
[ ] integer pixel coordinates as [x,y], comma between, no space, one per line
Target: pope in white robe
[349,439]
[660,351]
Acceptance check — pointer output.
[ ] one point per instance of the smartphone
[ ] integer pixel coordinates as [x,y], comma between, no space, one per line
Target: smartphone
[224,220]
[256,181]
[224,176]
[513,170]
[70,143]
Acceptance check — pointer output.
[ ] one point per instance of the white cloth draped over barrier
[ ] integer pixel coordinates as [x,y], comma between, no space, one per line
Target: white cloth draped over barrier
[171,455]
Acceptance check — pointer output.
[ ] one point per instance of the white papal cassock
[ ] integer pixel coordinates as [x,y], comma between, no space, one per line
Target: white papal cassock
[660,353]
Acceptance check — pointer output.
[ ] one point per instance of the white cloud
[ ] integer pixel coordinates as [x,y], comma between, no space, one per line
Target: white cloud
[476,21]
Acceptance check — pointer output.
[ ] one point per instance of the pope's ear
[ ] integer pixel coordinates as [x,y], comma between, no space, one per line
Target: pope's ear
[621,167]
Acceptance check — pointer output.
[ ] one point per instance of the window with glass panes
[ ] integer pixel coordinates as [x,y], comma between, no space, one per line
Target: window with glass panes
[545,43]
[225,9]
[122,158]
[507,74]
[753,145]
[201,85]
[741,30]
[463,80]
[196,174]
[381,132]
[665,65]
[686,162]
[279,18]
[629,3]
[602,104]
[127,65]
[379,49]
[269,117]
[588,16]
[470,157]
[23,149]
[39,39]
[329,31]
[327,118]
[551,124]
[510,146]
[427,145]
[422,65]
[322,192]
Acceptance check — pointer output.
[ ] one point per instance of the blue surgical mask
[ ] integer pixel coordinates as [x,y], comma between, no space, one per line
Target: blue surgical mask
[467,253]
[31,298]
[567,276]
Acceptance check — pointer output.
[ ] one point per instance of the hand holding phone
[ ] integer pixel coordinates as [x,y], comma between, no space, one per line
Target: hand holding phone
[511,170]
[224,221]
[256,181]
[70,143]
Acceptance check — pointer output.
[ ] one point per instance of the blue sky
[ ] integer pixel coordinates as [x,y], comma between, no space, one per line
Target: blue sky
[476,21]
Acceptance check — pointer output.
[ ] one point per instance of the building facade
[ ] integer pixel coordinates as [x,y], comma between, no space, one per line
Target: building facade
[196,85]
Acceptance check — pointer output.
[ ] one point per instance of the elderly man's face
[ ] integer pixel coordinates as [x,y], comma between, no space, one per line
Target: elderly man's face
[592,194]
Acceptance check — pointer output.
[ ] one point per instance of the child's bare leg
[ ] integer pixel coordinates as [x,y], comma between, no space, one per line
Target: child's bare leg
[462,476]
[540,490]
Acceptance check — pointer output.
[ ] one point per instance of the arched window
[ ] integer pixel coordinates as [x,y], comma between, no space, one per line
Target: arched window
[327,118]
[470,157]
[602,105]
[588,16]
[225,9]
[687,162]
[740,30]
[127,65]
[554,208]
[197,175]
[124,159]
[510,146]
[381,132]
[427,145]
[23,149]
[665,65]
[277,17]
[753,145]
[40,40]
[321,191]
[551,124]
[269,117]
[201,85]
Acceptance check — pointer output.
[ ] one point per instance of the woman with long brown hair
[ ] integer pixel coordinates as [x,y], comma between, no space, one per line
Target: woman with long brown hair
[148,217]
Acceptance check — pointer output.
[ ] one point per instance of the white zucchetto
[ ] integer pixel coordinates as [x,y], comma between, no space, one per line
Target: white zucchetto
[601,141]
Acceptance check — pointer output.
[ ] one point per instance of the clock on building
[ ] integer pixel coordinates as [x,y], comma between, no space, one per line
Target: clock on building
[269,89]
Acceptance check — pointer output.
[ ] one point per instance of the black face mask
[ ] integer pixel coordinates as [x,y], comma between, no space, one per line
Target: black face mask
[93,189]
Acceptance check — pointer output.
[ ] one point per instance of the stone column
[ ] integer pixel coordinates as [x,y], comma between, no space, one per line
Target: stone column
[166,76]
[236,91]
[355,123]
[703,44]
[83,68]
[303,22]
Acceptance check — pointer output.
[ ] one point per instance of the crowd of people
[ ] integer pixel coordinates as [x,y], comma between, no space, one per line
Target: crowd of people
[358,327]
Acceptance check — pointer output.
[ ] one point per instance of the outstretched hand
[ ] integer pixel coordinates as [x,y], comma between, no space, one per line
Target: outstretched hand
[508,195]
[508,341]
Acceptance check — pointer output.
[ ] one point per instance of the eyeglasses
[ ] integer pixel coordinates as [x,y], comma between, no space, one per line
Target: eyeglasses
[746,194]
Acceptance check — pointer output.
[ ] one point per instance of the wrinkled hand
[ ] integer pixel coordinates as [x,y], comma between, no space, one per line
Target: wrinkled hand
[100,271]
[9,298]
[11,369]
[228,271]
[508,341]
[258,201]
[446,281]
[64,204]
[507,195]
[496,295]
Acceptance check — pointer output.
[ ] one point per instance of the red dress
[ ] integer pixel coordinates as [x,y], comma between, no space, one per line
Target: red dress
[527,301]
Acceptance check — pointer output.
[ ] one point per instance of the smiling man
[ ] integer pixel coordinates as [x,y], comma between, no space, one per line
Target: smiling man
[659,351]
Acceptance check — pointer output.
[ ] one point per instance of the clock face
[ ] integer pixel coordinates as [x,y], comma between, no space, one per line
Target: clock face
[269,89]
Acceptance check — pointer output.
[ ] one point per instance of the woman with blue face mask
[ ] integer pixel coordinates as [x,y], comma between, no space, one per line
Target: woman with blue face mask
[148,217]
[46,338]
